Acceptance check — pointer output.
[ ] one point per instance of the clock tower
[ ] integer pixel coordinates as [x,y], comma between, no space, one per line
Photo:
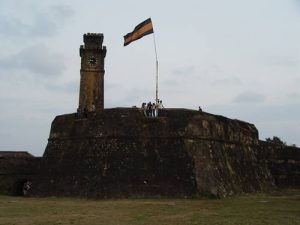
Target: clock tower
[92,53]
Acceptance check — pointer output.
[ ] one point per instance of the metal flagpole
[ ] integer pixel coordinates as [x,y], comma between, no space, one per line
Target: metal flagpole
[156,93]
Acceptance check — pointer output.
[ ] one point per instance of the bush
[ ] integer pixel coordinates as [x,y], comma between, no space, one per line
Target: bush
[276,140]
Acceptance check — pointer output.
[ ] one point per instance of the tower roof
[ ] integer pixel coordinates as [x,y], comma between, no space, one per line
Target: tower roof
[93,40]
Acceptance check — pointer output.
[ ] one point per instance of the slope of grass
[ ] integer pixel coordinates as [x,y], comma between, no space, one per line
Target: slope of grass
[282,208]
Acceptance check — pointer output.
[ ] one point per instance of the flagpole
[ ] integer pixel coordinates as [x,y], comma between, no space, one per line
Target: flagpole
[156,92]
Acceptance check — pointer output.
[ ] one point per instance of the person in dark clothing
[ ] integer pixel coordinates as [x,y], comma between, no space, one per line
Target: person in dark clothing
[149,109]
[85,111]
[153,108]
[78,114]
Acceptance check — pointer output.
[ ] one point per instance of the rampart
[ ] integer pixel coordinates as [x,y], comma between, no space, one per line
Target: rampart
[283,162]
[120,153]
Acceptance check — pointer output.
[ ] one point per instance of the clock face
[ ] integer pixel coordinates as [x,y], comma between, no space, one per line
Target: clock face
[92,61]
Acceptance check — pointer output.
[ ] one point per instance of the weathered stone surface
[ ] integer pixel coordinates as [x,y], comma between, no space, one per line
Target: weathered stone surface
[119,152]
[15,171]
[283,162]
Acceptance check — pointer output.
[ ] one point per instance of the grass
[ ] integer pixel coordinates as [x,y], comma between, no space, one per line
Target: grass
[281,207]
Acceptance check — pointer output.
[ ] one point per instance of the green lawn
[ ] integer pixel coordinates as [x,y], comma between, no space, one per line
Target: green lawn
[282,208]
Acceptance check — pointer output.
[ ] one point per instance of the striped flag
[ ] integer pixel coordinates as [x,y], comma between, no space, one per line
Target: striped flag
[139,31]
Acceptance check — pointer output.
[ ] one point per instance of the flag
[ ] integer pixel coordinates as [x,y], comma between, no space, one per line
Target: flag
[139,31]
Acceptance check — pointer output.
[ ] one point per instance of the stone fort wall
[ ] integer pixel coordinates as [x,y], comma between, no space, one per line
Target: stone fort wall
[120,153]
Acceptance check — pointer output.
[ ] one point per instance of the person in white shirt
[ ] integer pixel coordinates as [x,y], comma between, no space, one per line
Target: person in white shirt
[160,107]
[144,108]
[93,108]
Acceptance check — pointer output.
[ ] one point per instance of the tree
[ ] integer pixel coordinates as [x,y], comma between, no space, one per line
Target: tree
[276,140]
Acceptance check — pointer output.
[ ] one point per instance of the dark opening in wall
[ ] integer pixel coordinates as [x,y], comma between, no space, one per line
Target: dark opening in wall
[22,187]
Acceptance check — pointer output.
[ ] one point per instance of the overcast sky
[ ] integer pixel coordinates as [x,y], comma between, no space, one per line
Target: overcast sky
[236,58]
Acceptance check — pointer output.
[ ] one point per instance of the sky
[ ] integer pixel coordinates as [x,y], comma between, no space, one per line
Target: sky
[236,58]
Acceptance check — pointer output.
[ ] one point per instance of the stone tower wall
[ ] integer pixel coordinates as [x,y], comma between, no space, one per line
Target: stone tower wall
[92,55]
